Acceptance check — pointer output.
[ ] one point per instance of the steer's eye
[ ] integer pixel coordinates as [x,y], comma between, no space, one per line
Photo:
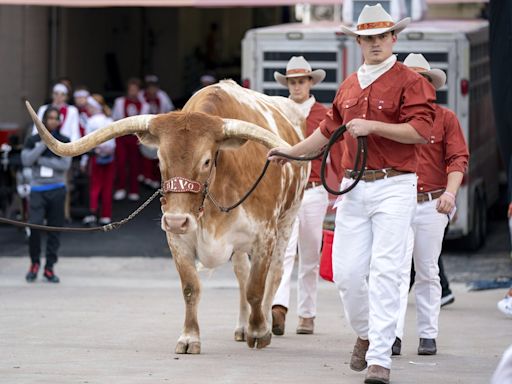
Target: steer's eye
[207,163]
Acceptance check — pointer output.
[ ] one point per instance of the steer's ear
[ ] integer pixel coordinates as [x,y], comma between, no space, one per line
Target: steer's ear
[231,143]
[148,139]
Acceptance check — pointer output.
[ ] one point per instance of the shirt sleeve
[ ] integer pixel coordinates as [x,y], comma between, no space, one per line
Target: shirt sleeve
[456,149]
[332,120]
[118,112]
[417,107]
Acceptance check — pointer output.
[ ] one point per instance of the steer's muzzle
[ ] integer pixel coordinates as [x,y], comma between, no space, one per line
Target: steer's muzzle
[178,223]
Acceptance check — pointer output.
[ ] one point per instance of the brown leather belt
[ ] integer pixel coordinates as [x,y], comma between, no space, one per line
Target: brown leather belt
[375,174]
[429,196]
[313,184]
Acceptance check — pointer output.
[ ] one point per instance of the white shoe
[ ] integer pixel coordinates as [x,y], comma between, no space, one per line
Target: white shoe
[105,220]
[120,194]
[89,220]
[505,306]
[133,196]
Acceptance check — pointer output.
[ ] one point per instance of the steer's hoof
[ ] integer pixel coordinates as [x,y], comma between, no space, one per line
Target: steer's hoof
[193,348]
[259,342]
[240,334]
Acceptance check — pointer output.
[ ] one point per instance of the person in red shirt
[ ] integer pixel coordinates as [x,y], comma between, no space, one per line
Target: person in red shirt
[128,156]
[159,102]
[441,167]
[393,107]
[306,235]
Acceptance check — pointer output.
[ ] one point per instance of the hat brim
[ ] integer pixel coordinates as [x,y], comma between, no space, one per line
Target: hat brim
[317,76]
[437,77]
[398,27]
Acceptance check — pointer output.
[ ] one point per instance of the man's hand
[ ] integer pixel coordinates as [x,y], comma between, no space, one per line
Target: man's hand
[360,127]
[278,159]
[445,203]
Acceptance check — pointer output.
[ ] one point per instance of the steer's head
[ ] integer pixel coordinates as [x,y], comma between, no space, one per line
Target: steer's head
[187,143]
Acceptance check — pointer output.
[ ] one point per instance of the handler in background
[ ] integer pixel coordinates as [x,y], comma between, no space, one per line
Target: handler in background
[306,232]
[442,164]
[393,107]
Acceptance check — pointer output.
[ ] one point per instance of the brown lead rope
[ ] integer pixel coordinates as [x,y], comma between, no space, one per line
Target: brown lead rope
[104,228]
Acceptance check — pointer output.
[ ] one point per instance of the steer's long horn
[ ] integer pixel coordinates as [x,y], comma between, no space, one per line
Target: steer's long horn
[134,124]
[249,131]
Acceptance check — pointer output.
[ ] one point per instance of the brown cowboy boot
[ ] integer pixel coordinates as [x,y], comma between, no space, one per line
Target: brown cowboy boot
[278,319]
[377,375]
[358,359]
[306,325]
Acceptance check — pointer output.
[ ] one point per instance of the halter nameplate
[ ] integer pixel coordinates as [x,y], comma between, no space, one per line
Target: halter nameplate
[181,185]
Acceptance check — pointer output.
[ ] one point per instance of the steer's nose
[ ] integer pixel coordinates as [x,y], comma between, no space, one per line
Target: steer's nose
[175,223]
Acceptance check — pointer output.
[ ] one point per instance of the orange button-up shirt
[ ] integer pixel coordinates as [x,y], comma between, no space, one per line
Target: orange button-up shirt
[398,96]
[445,152]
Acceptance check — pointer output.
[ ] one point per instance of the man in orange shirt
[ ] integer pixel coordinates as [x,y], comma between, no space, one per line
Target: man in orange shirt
[306,235]
[392,106]
[442,164]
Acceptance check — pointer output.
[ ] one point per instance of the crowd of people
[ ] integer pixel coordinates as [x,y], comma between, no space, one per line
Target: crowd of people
[114,169]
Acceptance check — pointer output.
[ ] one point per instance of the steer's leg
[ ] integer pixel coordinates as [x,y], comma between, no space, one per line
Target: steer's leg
[258,334]
[242,266]
[189,341]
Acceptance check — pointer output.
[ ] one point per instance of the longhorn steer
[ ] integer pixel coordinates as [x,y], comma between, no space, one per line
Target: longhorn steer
[220,138]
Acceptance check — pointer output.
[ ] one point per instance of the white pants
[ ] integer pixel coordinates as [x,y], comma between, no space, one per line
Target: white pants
[307,235]
[368,250]
[424,245]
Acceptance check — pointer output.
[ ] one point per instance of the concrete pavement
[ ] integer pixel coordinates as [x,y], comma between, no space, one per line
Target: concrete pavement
[116,320]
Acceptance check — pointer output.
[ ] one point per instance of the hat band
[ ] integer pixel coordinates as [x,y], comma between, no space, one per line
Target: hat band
[375,25]
[294,71]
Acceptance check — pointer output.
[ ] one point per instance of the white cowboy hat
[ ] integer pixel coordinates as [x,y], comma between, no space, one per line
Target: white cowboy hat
[374,20]
[419,64]
[299,67]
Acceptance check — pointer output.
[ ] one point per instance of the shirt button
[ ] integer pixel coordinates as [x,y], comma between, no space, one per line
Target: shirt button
[364,114]
[346,106]
[432,141]
[365,98]
[421,188]
[380,106]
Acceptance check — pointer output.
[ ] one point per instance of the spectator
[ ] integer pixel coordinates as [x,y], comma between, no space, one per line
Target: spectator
[159,102]
[47,194]
[101,163]
[69,120]
[80,97]
[128,157]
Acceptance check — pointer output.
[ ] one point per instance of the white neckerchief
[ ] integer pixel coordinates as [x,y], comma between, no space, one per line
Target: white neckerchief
[367,74]
[306,106]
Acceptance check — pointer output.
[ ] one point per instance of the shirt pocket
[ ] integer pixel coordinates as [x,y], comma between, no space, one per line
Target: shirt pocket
[385,107]
[349,104]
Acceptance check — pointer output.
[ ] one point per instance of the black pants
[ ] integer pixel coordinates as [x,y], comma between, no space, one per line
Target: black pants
[49,205]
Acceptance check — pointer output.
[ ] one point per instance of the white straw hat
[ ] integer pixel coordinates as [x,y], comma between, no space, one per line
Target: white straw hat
[419,64]
[299,67]
[374,20]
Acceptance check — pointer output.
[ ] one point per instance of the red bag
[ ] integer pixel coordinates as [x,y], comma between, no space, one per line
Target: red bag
[326,259]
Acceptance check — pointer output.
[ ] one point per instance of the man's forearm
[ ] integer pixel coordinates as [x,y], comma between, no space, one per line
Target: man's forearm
[311,144]
[402,133]
[454,181]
